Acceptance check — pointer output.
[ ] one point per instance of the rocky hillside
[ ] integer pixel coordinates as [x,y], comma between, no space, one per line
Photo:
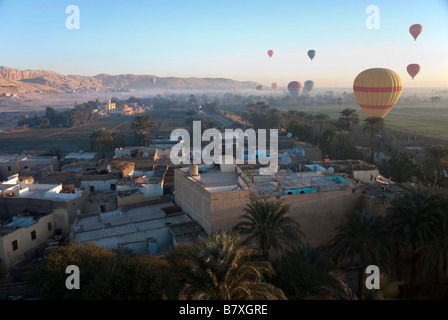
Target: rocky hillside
[22,81]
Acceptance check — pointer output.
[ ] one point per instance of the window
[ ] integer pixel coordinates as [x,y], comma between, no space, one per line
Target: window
[15,245]
[92,188]
[9,168]
[33,235]
[113,187]
[49,226]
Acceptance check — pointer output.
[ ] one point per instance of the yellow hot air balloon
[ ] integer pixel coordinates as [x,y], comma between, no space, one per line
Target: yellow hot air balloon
[377,90]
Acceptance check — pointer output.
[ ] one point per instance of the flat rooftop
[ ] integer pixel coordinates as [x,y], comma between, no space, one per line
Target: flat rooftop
[286,180]
[214,180]
[129,226]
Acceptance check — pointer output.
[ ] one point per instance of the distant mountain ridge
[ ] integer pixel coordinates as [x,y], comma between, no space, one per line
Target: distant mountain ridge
[22,81]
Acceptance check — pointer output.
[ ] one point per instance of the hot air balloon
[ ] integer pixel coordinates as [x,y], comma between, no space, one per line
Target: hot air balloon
[270,53]
[153,81]
[274,85]
[260,87]
[309,85]
[415,30]
[377,90]
[413,69]
[294,88]
[311,54]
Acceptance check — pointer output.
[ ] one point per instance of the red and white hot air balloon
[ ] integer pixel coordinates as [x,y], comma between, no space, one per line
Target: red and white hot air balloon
[294,88]
[415,30]
[413,69]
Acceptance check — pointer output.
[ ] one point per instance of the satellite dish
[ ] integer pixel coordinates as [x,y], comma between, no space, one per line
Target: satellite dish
[286,160]
[331,170]
[289,135]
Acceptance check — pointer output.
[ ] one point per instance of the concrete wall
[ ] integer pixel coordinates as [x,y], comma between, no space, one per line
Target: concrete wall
[73,206]
[320,213]
[365,175]
[378,205]
[8,168]
[193,199]
[226,208]
[134,199]
[13,206]
[99,185]
[8,256]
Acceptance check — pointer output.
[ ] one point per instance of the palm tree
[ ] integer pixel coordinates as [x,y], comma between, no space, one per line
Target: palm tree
[348,118]
[265,223]
[104,140]
[322,118]
[221,268]
[436,161]
[388,290]
[308,274]
[342,147]
[373,126]
[142,125]
[435,254]
[340,101]
[364,238]
[412,227]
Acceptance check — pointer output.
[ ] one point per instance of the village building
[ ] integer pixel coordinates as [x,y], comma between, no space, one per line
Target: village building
[152,228]
[22,234]
[215,196]
[36,166]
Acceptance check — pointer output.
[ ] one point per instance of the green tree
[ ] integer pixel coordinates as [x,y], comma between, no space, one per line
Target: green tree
[219,267]
[436,161]
[343,148]
[103,140]
[389,290]
[104,274]
[339,102]
[372,127]
[435,255]
[303,132]
[308,274]
[266,225]
[412,227]
[53,151]
[403,167]
[362,239]
[326,140]
[349,118]
[322,118]
[143,124]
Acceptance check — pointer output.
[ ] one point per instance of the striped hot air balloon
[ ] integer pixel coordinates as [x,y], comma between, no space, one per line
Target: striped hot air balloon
[294,88]
[413,69]
[377,90]
[415,30]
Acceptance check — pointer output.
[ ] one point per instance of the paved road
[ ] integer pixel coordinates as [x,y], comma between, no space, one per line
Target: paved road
[223,121]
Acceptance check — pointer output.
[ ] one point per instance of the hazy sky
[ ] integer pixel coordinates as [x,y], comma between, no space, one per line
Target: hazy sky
[228,39]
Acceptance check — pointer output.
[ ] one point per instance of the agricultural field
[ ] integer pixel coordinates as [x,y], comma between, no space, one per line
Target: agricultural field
[75,139]
[427,121]
[66,139]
